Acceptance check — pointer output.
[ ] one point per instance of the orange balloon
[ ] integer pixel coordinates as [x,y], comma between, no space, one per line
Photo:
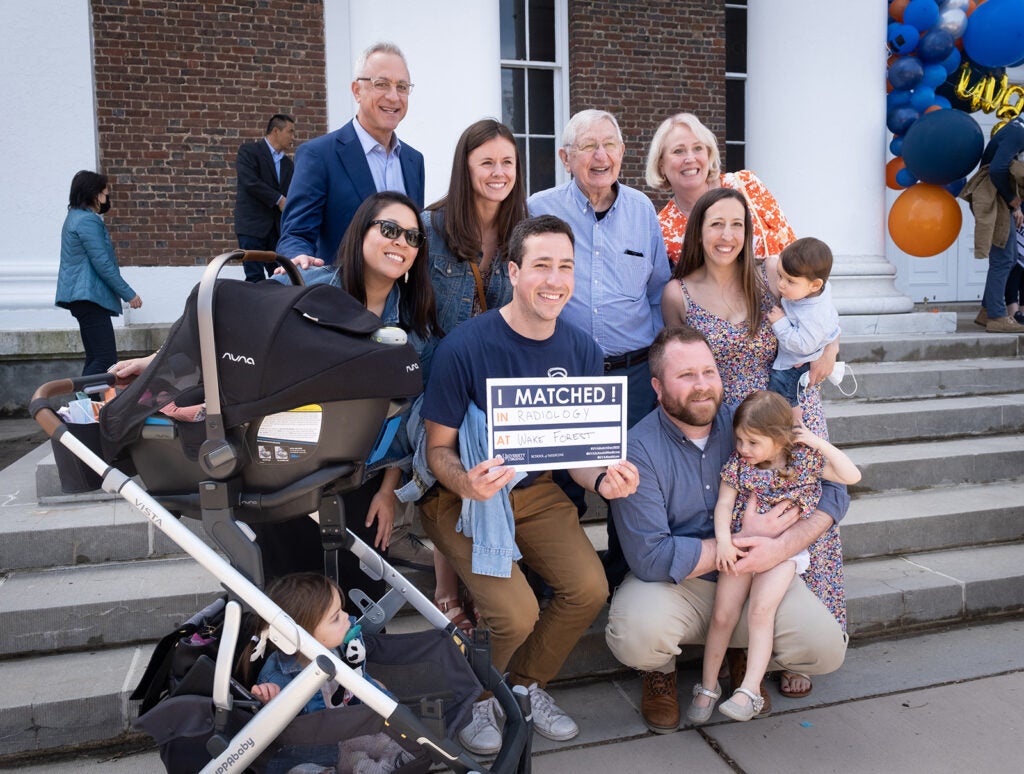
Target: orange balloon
[931,108]
[924,220]
[891,170]
[972,6]
[896,9]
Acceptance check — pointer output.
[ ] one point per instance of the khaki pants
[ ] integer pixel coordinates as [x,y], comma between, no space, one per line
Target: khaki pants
[531,644]
[648,622]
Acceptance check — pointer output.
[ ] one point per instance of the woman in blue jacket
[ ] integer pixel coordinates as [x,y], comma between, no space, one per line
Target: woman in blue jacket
[89,283]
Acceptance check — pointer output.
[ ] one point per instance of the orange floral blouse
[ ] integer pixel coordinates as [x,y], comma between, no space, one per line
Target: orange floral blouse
[772,231]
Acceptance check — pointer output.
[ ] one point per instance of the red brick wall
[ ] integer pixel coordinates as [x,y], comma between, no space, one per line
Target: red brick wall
[645,62]
[179,85]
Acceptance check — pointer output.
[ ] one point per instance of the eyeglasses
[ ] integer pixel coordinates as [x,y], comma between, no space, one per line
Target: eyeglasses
[390,230]
[383,85]
[611,147]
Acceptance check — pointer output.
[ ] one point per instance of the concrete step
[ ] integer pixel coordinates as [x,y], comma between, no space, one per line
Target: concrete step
[918,466]
[922,590]
[931,346]
[930,379]
[939,518]
[88,606]
[862,422]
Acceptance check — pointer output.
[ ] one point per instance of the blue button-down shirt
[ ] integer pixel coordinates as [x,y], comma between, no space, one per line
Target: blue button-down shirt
[276,155]
[384,162]
[662,524]
[621,266]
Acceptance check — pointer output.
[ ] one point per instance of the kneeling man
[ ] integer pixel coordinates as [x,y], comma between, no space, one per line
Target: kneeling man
[668,536]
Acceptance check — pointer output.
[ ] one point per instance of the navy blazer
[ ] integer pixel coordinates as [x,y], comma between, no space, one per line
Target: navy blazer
[258,190]
[332,178]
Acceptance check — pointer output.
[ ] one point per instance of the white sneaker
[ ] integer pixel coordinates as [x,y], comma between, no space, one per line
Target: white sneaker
[548,718]
[482,735]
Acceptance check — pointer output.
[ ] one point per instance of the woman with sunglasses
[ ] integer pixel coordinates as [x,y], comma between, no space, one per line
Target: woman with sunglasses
[468,230]
[382,263]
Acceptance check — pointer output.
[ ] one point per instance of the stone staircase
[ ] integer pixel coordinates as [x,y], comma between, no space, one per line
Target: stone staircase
[935,536]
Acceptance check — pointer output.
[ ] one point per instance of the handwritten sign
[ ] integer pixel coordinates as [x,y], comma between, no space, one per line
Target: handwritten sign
[544,424]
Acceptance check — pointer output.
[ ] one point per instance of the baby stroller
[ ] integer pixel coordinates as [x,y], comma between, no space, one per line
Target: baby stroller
[297,383]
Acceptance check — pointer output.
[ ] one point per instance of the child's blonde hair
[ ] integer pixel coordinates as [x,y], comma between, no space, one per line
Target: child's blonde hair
[769,414]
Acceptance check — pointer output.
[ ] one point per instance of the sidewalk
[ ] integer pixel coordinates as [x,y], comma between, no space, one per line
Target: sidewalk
[939,702]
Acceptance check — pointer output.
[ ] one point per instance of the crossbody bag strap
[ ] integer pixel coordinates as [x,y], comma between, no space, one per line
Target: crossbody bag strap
[479,286]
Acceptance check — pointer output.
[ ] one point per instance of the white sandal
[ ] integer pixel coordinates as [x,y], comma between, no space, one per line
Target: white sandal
[696,714]
[743,712]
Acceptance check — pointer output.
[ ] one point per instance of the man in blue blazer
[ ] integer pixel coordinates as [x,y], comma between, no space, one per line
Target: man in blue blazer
[264,174]
[334,173]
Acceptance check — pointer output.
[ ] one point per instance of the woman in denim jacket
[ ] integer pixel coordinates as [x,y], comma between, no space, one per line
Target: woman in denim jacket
[468,232]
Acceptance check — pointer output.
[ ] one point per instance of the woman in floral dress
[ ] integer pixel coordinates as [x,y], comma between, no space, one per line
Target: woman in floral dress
[719,289]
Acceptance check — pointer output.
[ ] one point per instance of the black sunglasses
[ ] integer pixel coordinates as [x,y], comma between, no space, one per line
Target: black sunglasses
[390,230]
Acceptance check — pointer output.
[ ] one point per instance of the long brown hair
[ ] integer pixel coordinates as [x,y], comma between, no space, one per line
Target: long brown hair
[767,413]
[692,256]
[455,216]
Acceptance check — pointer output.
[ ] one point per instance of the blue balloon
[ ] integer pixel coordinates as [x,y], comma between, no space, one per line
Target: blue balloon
[943,146]
[995,33]
[934,74]
[899,119]
[952,62]
[956,186]
[905,178]
[896,146]
[942,102]
[902,38]
[897,97]
[921,14]
[935,46]
[922,98]
[906,72]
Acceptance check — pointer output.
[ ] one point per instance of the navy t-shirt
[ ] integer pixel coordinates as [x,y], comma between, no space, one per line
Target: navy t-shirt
[486,347]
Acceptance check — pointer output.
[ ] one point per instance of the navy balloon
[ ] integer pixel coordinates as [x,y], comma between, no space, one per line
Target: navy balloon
[922,98]
[906,72]
[995,34]
[951,62]
[935,46]
[943,146]
[956,186]
[899,119]
[921,14]
[905,178]
[902,38]
[897,97]
[896,146]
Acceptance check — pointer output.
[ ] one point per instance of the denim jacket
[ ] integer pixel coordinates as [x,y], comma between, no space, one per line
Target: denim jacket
[454,283]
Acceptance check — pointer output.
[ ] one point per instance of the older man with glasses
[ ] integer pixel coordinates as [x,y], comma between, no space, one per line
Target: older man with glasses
[621,265]
[334,173]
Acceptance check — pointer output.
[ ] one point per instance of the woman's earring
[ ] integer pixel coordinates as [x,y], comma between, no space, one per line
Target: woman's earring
[407,278]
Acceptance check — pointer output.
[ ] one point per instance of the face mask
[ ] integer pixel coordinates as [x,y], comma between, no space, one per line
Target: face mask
[105,206]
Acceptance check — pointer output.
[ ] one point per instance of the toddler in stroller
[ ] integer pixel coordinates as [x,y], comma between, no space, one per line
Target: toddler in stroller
[296,371]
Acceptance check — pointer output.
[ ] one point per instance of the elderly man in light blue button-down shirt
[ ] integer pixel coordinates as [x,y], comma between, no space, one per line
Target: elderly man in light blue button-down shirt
[621,264]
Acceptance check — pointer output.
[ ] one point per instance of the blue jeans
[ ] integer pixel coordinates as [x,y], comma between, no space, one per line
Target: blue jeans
[97,331]
[786,382]
[1000,263]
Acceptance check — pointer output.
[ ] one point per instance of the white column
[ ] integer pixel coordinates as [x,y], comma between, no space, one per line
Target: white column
[815,126]
[50,134]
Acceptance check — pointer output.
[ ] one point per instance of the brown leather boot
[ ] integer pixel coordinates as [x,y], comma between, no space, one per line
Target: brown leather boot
[736,659]
[659,704]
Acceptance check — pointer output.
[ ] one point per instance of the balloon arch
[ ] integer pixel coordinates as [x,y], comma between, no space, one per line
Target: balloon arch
[948,59]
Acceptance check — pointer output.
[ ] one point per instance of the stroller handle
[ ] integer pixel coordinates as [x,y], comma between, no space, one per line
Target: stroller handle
[40,409]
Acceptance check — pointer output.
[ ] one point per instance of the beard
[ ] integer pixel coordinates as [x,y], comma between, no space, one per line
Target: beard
[695,416]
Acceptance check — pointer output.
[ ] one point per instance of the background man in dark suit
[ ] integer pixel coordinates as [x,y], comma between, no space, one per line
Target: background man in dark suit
[334,173]
[264,174]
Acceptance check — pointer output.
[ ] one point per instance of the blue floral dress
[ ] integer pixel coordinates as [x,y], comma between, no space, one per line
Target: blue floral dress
[745,365]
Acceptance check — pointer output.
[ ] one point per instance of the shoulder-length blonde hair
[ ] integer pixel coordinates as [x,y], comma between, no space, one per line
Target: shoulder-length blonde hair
[655,177]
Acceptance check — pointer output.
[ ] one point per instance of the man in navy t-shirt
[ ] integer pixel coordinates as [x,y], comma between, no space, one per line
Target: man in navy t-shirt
[533,518]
